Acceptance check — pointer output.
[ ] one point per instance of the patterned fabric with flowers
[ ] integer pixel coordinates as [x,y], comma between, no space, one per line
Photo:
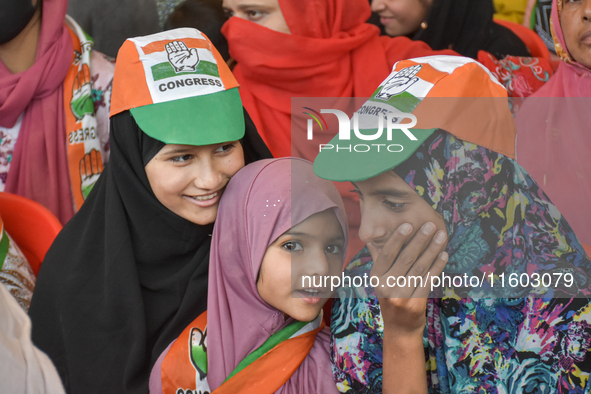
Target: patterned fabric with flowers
[487,339]
[15,271]
[521,76]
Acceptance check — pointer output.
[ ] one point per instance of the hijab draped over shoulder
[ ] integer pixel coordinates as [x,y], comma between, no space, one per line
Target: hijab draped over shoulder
[125,276]
[39,166]
[262,201]
[554,140]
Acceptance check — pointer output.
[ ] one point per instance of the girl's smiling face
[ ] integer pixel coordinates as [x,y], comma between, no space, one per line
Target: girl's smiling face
[189,180]
[263,12]
[575,20]
[312,248]
[386,202]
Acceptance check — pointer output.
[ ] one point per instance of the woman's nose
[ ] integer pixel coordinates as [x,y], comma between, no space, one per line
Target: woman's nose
[316,264]
[377,5]
[207,177]
[373,228]
[587,10]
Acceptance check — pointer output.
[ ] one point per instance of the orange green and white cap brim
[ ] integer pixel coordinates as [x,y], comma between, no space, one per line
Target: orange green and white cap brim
[178,89]
[453,93]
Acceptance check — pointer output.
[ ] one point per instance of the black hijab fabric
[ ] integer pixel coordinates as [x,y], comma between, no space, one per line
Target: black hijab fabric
[125,276]
[467,26]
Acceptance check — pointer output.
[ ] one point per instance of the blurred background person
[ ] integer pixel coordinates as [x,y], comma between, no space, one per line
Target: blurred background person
[466,26]
[110,22]
[54,104]
[205,15]
[553,140]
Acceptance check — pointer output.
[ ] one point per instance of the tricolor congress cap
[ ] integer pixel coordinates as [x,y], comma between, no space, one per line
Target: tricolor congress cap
[178,89]
[420,96]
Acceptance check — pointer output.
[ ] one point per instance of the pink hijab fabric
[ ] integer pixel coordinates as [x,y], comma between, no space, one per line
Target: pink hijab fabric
[553,136]
[39,167]
[261,202]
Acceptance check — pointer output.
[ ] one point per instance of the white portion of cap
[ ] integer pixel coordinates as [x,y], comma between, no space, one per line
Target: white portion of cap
[183,83]
[448,63]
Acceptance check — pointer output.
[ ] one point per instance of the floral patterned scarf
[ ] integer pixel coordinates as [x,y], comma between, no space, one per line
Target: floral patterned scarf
[499,221]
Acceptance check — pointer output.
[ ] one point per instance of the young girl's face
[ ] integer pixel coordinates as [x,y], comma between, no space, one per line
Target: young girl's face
[314,248]
[189,180]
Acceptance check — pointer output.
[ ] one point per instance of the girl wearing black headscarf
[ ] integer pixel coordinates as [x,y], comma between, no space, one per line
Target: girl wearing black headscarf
[129,272]
[466,26]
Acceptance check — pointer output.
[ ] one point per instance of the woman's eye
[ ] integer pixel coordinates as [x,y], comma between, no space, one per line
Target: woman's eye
[357,191]
[333,249]
[181,159]
[254,15]
[394,205]
[228,13]
[224,148]
[292,246]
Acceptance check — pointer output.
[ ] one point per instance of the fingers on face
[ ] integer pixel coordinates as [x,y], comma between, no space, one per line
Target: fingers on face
[386,259]
[421,258]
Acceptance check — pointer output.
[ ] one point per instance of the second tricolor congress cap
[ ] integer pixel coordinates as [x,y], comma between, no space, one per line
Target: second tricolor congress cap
[178,89]
[453,93]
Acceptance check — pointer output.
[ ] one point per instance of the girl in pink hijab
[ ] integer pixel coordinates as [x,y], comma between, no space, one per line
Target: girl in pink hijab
[280,232]
[553,137]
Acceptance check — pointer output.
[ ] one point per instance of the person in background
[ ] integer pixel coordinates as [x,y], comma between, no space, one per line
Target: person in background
[553,140]
[111,22]
[205,15]
[466,26]
[25,369]
[129,272]
[55,93]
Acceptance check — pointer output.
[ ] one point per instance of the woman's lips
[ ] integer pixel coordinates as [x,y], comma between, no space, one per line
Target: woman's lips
[586,37]
[311,297]
[384,20]
[205,200]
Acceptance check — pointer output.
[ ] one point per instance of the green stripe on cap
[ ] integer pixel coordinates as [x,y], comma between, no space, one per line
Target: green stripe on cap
[200,120]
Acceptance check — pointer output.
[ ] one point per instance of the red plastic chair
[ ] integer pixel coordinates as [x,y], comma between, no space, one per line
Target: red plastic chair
[32,226]
[534,43]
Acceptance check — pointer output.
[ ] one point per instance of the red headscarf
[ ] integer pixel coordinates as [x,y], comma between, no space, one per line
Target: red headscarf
[39,167]
[331,52]
[553,139]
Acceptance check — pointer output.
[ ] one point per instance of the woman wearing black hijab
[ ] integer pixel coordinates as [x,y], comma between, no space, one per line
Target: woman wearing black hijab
[466,26]
[129,272]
